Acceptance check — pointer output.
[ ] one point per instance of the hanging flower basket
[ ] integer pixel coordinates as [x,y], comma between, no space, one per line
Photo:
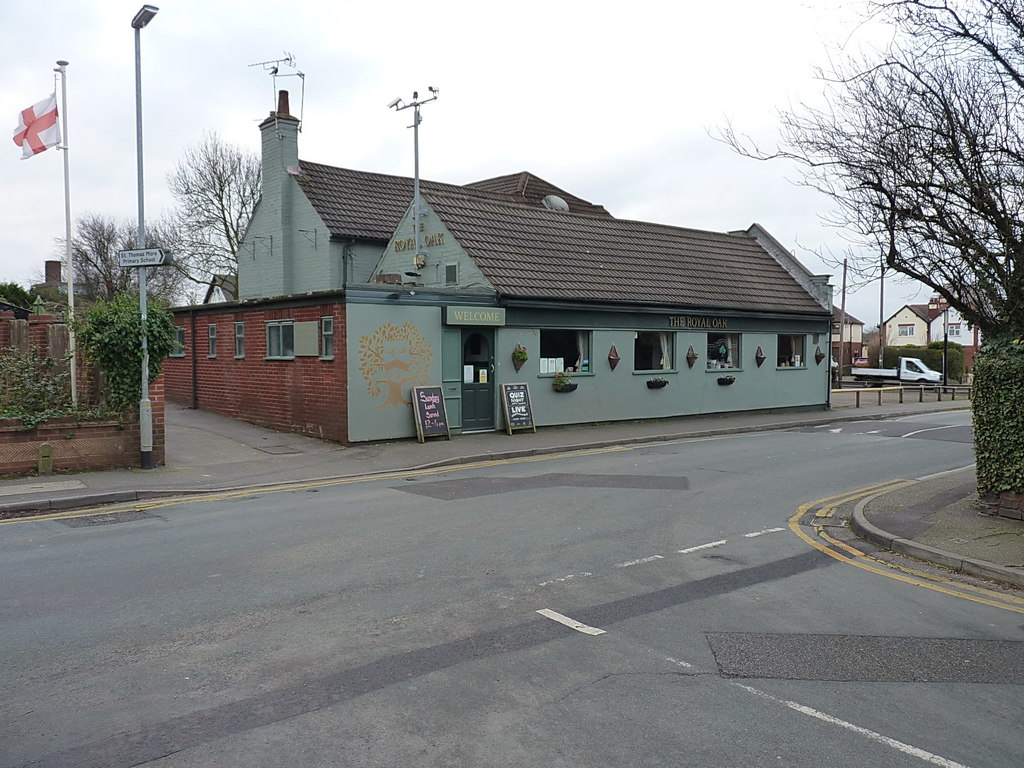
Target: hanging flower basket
[519,356]
[657,382]
[570,387]
[726,380]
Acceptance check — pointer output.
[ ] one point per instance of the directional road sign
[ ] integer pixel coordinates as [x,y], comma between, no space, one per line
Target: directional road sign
[143,257]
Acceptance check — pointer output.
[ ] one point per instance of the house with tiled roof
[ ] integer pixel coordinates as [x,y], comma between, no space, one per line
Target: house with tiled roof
[847,336]
[344,307]
[946,323]
[908,325]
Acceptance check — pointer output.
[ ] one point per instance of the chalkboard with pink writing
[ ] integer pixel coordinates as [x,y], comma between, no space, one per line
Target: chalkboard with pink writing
[429,413]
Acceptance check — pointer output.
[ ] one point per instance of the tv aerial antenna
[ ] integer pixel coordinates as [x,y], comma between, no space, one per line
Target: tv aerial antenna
[273,68]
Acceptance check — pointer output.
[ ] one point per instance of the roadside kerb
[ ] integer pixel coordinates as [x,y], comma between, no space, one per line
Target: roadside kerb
[28,507]
[969,565]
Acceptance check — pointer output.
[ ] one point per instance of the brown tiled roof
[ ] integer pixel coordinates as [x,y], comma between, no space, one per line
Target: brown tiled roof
[525,187]
[850,319]
[921,310]
[527,252]
[358,203]
[370,205]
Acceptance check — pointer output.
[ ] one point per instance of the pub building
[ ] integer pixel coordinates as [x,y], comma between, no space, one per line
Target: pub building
[338,316]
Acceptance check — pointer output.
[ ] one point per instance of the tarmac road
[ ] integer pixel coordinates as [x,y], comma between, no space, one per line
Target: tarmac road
[394,620]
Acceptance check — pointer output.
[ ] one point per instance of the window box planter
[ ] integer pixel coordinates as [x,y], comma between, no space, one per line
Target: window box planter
[563,383]
[726,380]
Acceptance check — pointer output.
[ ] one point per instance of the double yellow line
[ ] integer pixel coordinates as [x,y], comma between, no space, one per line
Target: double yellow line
[242,493]
[850,555]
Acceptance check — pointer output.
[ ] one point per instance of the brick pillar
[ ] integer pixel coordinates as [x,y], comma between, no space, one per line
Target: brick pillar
[156,399]
[6,321]
[39,333]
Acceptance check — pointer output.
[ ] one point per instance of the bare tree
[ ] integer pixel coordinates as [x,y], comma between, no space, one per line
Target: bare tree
[216,186]
[922,150]
[98,275]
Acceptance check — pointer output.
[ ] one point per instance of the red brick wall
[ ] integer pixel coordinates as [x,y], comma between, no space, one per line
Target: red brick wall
[306,394]
[1006,504]
[98,445]
[156,399]
[82,446]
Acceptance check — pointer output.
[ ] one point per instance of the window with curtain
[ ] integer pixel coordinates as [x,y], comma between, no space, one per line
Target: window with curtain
[564,349]
[652,350]
[723,350]
[791,351]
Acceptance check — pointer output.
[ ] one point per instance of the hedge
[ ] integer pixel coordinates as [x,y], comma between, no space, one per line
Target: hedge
[998,405]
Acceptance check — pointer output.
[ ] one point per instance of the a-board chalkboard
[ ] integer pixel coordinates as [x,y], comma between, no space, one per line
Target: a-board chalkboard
[429,412]
[515,402]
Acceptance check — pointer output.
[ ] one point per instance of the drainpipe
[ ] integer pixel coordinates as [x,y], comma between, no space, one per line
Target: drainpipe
[346,253]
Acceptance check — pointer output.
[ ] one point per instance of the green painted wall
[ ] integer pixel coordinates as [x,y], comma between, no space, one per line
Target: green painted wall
[287,248]
[440,248]
[429,352]
[390,349]
[608,395]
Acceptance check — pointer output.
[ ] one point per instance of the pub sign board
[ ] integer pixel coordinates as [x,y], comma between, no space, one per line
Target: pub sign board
[430,414]
[515,402]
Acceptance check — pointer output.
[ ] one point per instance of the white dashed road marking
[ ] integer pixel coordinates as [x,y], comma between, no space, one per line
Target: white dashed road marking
[680,663]
[906,749]
[571,623]
[642,560]
[762,533]
[930,429]
[699,547]
[564,579]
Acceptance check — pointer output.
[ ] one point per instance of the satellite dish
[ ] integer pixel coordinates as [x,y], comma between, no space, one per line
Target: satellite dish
[555,203]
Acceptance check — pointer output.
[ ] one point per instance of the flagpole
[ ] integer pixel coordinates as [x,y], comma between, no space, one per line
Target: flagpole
[72,346]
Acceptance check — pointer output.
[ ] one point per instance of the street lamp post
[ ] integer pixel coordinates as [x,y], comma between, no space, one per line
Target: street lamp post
[945,346]
[142,18]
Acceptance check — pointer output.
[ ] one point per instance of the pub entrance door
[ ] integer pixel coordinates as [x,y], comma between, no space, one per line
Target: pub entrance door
[477,379]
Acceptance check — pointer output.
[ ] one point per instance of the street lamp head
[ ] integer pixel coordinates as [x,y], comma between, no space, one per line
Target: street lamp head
[144,16]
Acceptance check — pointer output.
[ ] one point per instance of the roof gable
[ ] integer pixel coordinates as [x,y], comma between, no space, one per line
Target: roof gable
[524,187]
[527,252]
[848,318]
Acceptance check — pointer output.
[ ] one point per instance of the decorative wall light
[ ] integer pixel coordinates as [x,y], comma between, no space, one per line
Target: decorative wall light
[818,355]
[759,357]
[691,356]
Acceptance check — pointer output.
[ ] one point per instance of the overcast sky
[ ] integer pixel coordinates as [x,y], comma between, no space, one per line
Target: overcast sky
[613,102]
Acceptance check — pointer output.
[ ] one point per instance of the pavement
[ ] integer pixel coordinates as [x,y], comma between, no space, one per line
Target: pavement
[935,519]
